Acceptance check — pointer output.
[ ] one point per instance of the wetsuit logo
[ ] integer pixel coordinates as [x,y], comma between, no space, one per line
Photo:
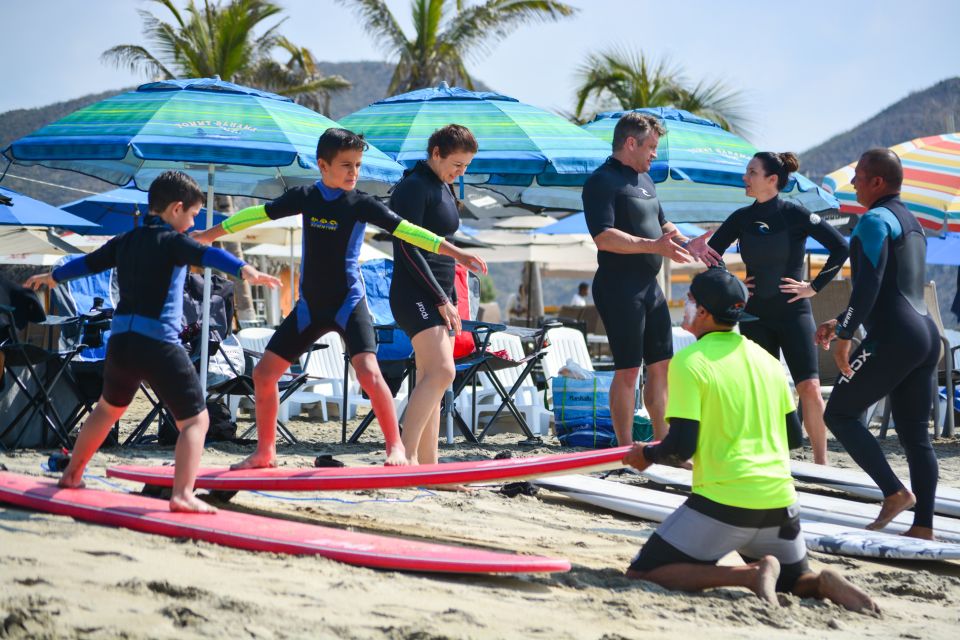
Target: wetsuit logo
[323,223]
[646,194]
[856,365]
[423,311]
[763,228]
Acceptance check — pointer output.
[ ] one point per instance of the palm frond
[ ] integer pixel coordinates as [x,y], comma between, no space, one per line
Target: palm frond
[476,29]
[137,60]
[378,21]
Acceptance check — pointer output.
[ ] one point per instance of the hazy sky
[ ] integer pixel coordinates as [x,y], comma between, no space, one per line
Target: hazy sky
[809,70]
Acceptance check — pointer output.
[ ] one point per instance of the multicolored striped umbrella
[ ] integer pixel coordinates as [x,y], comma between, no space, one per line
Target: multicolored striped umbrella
[931,181]
[516,140]
[259,144]
[701,151]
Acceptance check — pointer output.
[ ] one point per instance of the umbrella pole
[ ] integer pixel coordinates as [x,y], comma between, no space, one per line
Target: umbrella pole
[207,273]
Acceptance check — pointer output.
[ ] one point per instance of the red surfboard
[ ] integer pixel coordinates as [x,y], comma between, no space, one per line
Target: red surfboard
[354,478]
[259,533]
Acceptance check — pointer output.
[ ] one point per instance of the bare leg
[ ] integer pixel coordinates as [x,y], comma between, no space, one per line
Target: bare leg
[655,397]
[92,434]
[811,401]
[266,375]
[187,459]
[891,507]
[623,400]
[371,380]
[760,577]
[433,350]
[830,585]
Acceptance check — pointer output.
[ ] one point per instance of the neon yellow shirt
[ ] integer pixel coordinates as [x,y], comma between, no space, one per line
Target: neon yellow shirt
[738,392]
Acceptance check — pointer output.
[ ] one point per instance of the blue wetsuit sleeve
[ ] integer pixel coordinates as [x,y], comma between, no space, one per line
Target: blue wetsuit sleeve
[290,203]
[186,250]
[220,259]
[679,445]
[598,206]
[410,199]
[94,262]
[869,246]
[825,233]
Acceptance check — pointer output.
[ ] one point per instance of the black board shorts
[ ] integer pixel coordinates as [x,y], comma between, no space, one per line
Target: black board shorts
[301,329]
[133,358]
[636,318]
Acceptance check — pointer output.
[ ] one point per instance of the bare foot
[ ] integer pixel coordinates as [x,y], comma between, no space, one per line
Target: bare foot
[768,570]
[256,460]
[73,481]
[397,457]
[836,588]
[924,533]
[189,503]
[893,505]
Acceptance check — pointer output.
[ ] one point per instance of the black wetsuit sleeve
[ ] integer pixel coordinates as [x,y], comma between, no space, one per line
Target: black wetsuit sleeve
[290,203]
[869,247]
[105,257]
[725,235]
[679,445]
[824,233]
[794,431]
[185,250]
[661,216]
[410,199]
[598,206]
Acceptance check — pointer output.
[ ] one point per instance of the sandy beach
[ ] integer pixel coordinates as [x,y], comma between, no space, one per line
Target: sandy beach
[67,579]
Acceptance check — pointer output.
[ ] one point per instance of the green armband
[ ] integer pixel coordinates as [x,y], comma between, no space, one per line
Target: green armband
[245,218]
[418,236]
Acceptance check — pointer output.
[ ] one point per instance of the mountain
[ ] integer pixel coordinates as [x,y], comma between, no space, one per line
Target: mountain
[925,113]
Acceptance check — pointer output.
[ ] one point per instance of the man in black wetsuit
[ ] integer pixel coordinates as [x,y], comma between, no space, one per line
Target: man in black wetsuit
[900,351]
[633,237]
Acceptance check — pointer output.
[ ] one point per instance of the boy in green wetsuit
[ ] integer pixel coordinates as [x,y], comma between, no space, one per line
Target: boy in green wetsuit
[730,409]
[332,296]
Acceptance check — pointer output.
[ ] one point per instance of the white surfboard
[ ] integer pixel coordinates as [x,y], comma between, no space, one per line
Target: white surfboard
[858,483]
[817,508]
[829,538]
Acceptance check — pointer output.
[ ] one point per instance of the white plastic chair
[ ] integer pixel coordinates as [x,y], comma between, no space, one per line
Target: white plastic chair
[254,340]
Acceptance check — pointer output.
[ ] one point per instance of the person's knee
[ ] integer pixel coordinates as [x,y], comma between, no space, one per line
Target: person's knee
[199,422]
[368,371]
[264,375]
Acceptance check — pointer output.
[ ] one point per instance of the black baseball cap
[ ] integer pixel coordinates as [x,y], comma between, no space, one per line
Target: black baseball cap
[722,294]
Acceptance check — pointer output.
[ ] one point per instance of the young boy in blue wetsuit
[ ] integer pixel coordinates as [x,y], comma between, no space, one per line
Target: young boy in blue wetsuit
[332,297]
[151,263]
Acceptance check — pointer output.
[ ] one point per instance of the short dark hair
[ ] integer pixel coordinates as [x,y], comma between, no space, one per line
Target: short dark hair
[335,140]
[451,139]
[170,187]
[635,125]
[883,163]
[779,164]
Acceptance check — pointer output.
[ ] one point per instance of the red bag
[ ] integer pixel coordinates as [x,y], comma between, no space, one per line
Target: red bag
[463,344]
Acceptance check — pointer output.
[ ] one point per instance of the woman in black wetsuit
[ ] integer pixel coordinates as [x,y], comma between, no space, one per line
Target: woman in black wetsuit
[422,294]
[772,233]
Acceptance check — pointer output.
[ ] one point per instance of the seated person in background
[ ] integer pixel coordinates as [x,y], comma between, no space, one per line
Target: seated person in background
[580,298]
[730,408]
[151,263]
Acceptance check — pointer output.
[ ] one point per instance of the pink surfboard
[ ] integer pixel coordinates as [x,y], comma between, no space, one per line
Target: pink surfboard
[259,533]
[355,478]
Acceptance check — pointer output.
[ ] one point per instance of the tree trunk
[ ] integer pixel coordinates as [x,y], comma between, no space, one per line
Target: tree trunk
[243,295]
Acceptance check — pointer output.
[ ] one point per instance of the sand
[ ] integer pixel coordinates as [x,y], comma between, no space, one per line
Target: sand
[60,578]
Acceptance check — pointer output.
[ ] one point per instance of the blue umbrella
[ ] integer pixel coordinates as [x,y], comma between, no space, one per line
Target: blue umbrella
[944,249]
[577,223]
[120,210]
[233,139]
[19,210]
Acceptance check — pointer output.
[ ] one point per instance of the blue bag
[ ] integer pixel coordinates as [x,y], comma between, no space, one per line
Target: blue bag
[581,410]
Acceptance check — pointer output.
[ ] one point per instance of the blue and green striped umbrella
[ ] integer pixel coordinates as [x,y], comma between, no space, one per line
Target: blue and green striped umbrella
[258,144]
[516,140]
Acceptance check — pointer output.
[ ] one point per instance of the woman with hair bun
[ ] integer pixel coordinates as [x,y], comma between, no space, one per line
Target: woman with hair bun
[772,233]
[422,294]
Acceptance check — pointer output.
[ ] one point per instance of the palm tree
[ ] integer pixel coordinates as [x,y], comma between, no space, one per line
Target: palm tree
[219,39]
[632,80]
[447,33]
